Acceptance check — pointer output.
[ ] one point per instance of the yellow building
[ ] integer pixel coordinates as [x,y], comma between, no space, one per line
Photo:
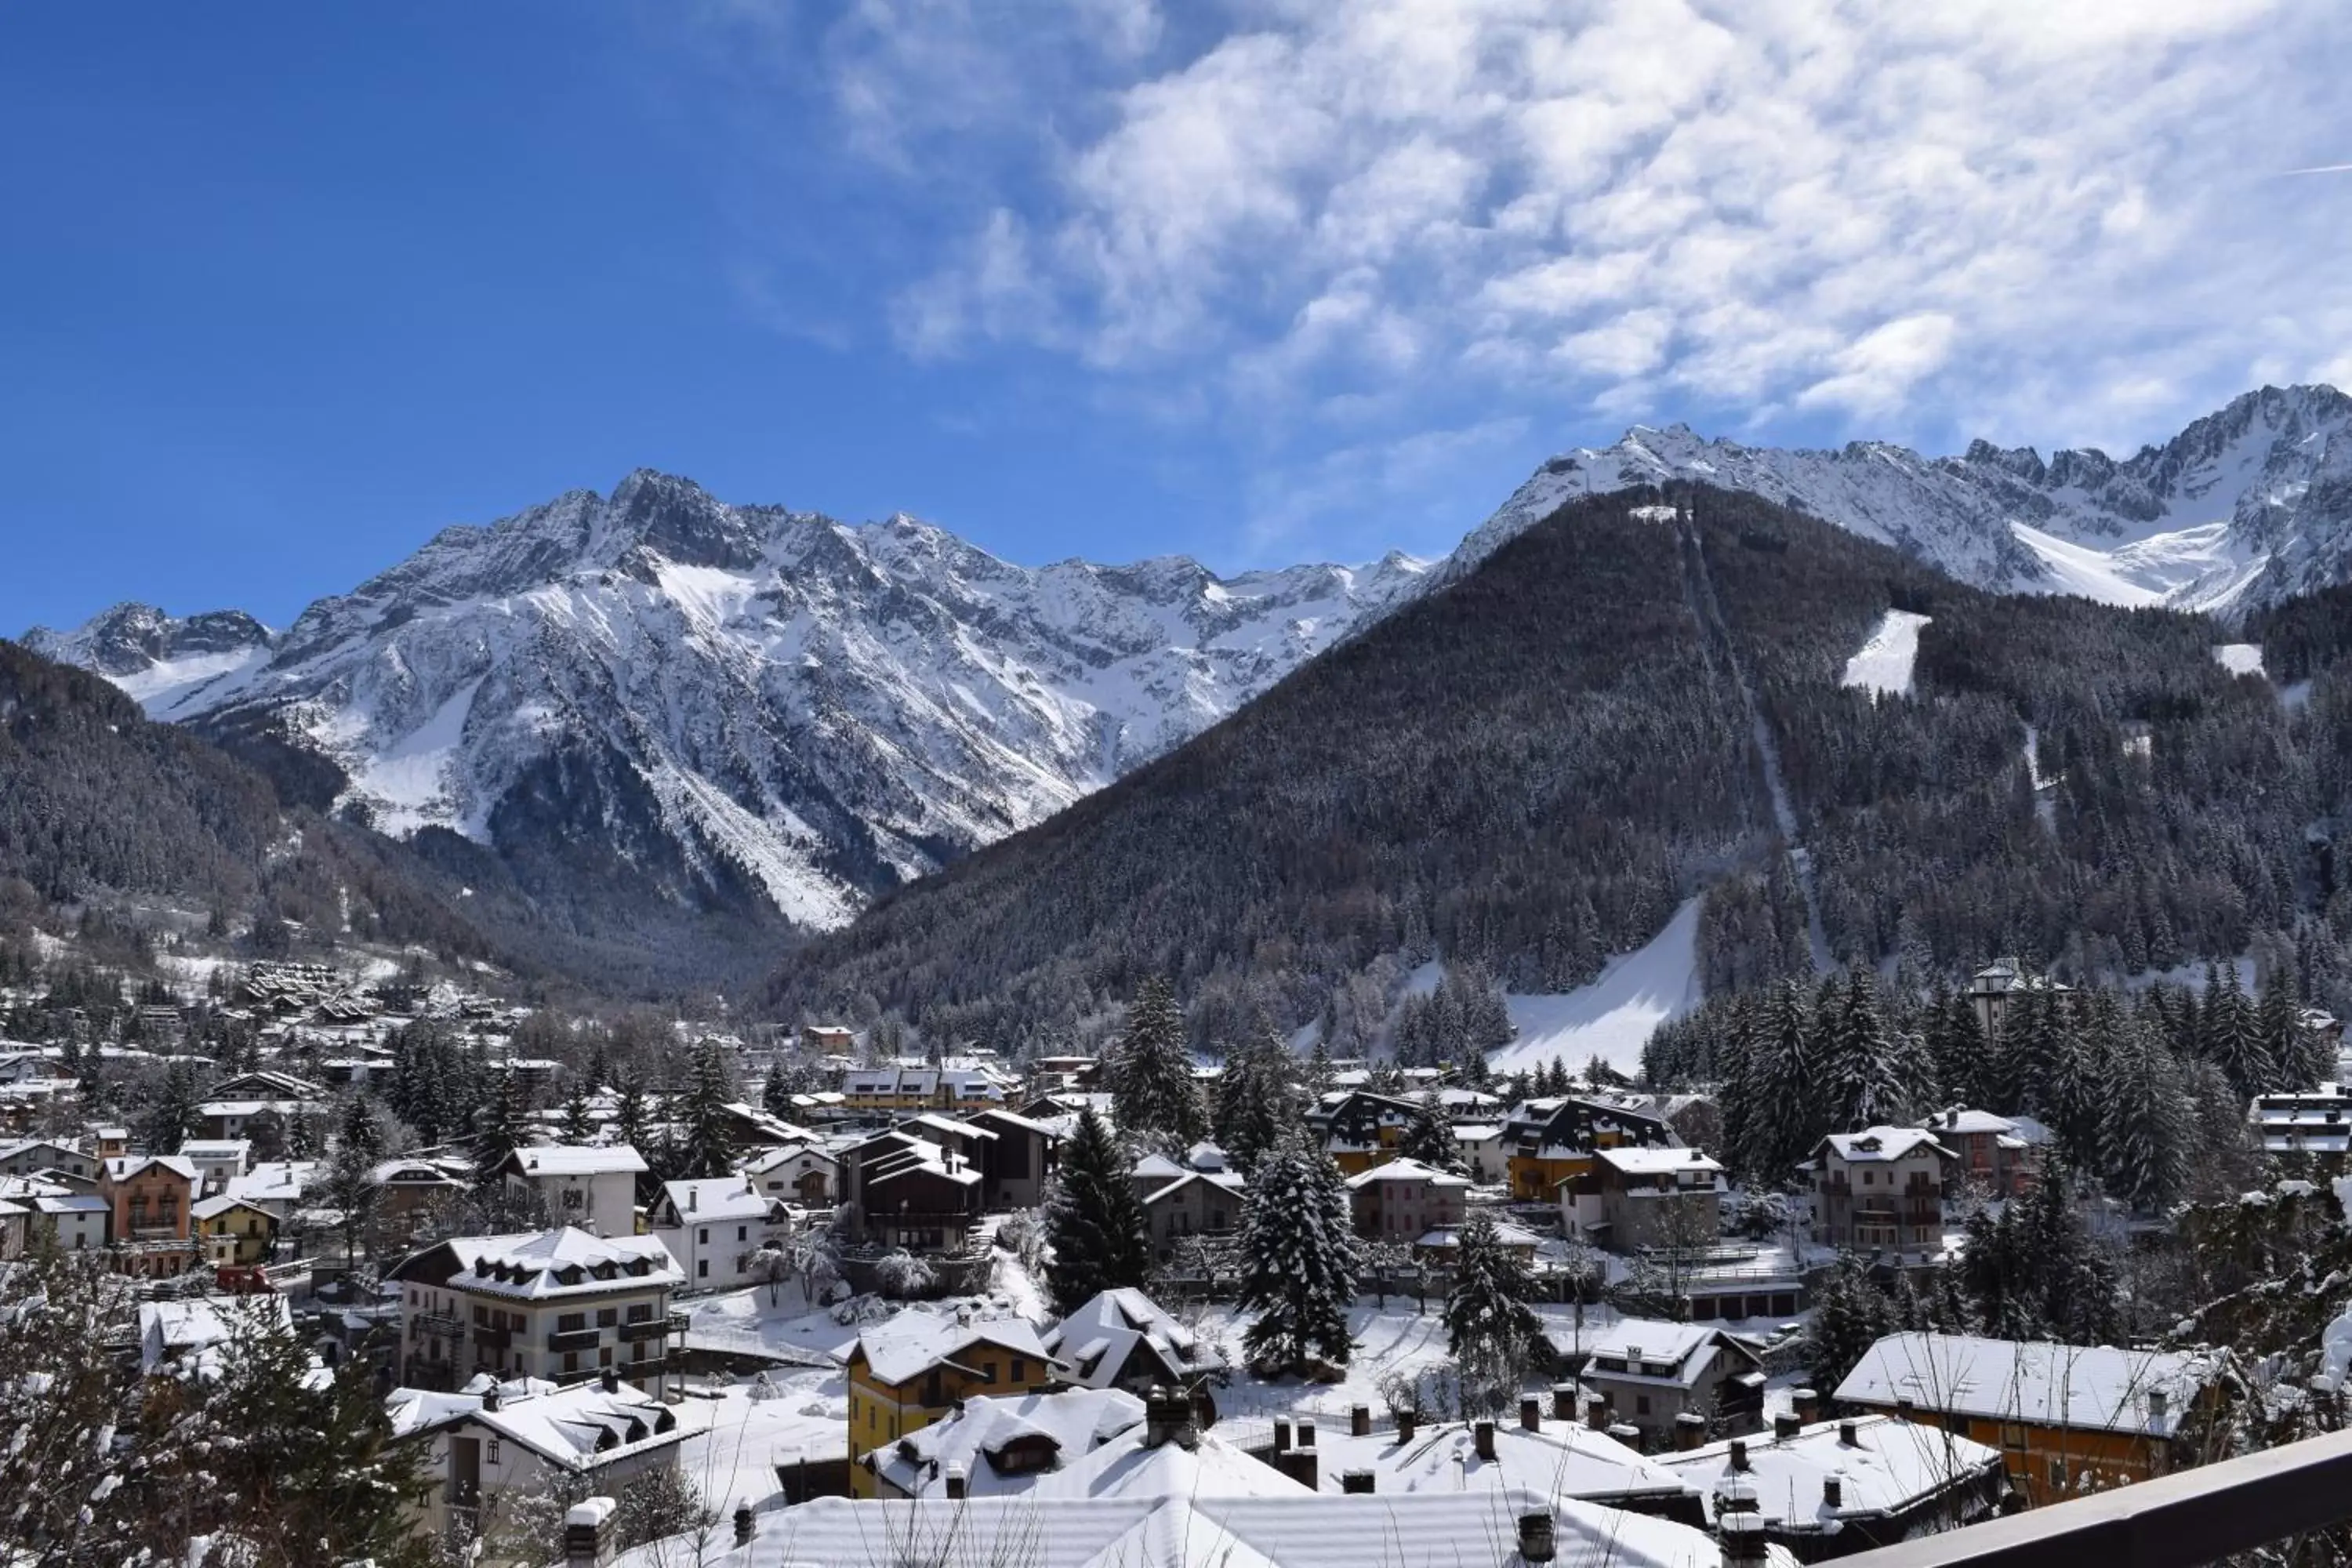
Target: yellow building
[910,1372]
[233,1233]
[921,1088]
[1553,1141]
[2068,1419]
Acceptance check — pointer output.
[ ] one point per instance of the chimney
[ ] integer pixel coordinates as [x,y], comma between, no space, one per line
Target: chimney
[1625,1432]
[1563,1402]
[1167,1418]
[493,1396]
[1482,1436]
[1531,1413]
[1306,1432]
[743,1522]
[1690,1431]
[1833,1489]
[587,1534]
[610,1380]
[1846,1435]
[693,1200]
[1359,1421]
[1785,1426]
[1739,1454]
[1282,1434]
[2155,1406]
[959,1484]
[1736,1518]
[1905,1408]
[1356,1483]
[1596,1415]
[1535,1543]
[1808,1405]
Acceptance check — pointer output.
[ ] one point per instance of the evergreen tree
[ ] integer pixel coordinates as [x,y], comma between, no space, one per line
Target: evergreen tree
[631,1115]
[579,1123]
[500,1129]
[1256,1099]
[170,1114]
[1850,1315]
[706,1127]
[776,1092]
[1429,1138]
[1319,1071]
[1861,1077]
[2146,1137]
[2066,1092]
[2232,1041]
[361,1130]
[1153,1093]
[1789,1110]
[1490,1330]
[1299,1261]
[1101,1233]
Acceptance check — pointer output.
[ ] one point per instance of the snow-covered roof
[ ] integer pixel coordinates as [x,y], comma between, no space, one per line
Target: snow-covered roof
[913,1342]
[125,1167]
[1229,1182]
[1097,1340]
[1888,1466]
[947,1125]
[579,1428]
[1639,1161]
[275,1180]
[1506,1232]
[1174,1530]
[714,1199]
[1075,1421]
[1562,1459]
[2094,1387]
[1405,1170]
[575,1159]
[1649,1347]
[185,1334]
[1882,1144]
[788,1154]
[1158,1168]
[69,1203]
[212,1150]
[212,1208]
[564,1262]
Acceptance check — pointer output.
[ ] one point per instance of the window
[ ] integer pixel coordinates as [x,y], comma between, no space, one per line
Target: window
[1640,1404]
[493,1451]
[603,1355]
[606,1317]
[571,1360]
[1020,1369]
[742,1233]
[702,1234]
[638,1352]
[2058,1475]
[640,1312]
[702,1268]
[2012,1437]
[571,1323]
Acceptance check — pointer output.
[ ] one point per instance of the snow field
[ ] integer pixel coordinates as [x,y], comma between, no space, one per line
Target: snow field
[1882,665]
[1613,1017]
[2239,657]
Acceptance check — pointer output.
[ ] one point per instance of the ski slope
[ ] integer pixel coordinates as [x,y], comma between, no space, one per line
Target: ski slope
[1614,1017]
[1883,665]
[2239,657]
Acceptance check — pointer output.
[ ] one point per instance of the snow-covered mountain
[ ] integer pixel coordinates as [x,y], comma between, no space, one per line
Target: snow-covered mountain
[738,696]
[2247,506]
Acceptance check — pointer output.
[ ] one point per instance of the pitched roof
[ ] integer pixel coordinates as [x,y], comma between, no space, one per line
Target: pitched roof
[1890,1466]
[564,1262]
[1405,1170]
[1563,1459]
[913,1342]
[1881,1143]
[1098,1339]
[579,1428]
[574,1160]
[714,1199]
[2094,1387]
[123,1167]
[1656,1162]
[1075,1421]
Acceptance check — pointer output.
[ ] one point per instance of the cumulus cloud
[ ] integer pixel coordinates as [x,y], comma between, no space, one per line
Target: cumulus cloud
[2025,216]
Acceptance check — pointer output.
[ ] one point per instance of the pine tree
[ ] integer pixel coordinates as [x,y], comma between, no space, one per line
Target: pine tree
[1862,1079]
[1791,1114]
[630,1113]
[2067,1091]
[1319,1071]
[1153,1093]
[361,1130]
[1429,1138]
[2145,1138]
[1101,1233]
[170,1113]
[579,1124]
[500,1129]
[1850,1315]
[706,1127]
[776,1092]
[1490,1330]
[1256,1099]
[1299,1261]
[2232,1042]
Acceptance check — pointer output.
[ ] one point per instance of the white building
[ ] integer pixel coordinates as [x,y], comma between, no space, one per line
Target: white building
[592,1188]
[713,1227]
[800,1174]
[560,1305]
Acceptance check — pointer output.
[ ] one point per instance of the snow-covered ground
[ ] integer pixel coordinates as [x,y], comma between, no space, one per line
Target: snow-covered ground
[741,1434]
[2239,657]
[1884,664]
[1613,1017]
[2195,568]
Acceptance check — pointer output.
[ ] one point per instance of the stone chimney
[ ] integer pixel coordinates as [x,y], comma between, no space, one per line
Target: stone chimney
[1359,1421]
[1167,1418]
[1690,1431]
[1833,1489]
[1786,1426]
[1808,1405]
[1482,1437]
[1847,1435]
[1625,1432]
[1536,1543]
[959,1484]
[1356,1482]
[1596,1415]
[588,1533]
[745,1524]
[493,1396]
[1563,1402]
[610,1380]
[1531,1413]
[1306,1432]
[1406,1421]
[1739,1454]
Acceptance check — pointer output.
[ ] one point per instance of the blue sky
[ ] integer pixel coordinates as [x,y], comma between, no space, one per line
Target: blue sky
[285,289]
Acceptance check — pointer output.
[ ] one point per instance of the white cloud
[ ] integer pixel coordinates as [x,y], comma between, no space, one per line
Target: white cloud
[2035,214]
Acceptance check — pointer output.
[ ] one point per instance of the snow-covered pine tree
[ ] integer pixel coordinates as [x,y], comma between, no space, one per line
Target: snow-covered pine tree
[1490,1330]
[1955,1040]
[1300,1259]
[632,1118]
[2067,1091]
[2232,1041]
[776,1090]
[579,1123]
[1101,1233]
[500,1129]
[1257,1096]
[1429,1138]
[1154,1096]
[706,1128]
[1850,1315]
[1319,1071]
[1791,1107]
[1861,1078]
[2145,1134]
[362,1129]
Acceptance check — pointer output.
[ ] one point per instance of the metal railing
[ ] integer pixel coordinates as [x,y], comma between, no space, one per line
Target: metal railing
[2178,1520]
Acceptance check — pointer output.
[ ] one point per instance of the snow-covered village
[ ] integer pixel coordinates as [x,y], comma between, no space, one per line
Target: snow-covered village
[1098,784]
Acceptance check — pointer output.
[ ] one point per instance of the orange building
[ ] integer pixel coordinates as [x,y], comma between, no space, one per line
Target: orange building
[1549,1142]
[150,1200]
[2068,1419]
[908,1373]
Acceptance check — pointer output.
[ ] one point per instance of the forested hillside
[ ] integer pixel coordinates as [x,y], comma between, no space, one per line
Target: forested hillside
[99,804]
[1531,769]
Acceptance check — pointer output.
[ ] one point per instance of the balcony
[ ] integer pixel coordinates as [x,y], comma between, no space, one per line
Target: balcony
[646,1329]
[447,1324]
[2192,1517]
[493,1338]
[573,1339]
